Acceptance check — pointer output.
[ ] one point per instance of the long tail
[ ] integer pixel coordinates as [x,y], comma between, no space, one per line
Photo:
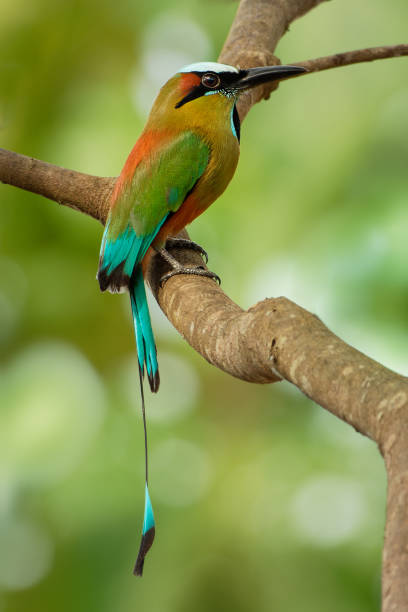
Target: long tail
[146,354]
[119,268]
[149,529]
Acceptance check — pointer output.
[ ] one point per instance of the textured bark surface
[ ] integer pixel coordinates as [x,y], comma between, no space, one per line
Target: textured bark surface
[354,57]
[275,338]
[395,553]
[83,192]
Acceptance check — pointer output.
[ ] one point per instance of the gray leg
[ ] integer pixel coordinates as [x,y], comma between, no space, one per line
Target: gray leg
[179,269]
[182,243]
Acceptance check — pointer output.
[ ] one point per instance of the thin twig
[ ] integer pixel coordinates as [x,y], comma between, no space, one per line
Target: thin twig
[370,54]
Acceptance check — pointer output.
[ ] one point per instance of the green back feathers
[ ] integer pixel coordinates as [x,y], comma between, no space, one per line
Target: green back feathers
[162,181]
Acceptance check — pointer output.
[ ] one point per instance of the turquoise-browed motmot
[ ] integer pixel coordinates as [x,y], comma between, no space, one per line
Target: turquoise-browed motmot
[182,162]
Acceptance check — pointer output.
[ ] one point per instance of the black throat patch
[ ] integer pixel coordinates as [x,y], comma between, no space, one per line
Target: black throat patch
[237,123]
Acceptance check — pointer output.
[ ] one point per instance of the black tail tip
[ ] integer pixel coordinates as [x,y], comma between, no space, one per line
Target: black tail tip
[154,381]
[103,279]
[115,281]
[145,545]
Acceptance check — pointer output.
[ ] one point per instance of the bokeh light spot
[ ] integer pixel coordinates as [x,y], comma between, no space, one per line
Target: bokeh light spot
[26,554]
[53,405]
[290,277]
[328,510]
[170,42]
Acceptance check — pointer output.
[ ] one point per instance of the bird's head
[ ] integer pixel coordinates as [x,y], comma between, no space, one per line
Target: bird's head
[210,78]
[204,94]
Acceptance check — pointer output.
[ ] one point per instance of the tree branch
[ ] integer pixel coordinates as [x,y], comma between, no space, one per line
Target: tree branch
[83,192]
[353,57]
[256,30]
[90,194]
[275,338]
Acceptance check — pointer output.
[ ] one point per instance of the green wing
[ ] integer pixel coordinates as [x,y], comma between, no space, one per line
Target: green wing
[159,186]
[162,181]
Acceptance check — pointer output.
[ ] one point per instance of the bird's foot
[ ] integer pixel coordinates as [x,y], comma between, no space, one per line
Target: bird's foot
[195,271]
[183,243]
[179,269]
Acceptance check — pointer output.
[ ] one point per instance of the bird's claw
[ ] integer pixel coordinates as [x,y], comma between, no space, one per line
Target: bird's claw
[195,271]
[183,243]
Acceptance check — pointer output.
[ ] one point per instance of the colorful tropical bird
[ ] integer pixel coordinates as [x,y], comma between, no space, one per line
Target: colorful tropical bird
[182,162]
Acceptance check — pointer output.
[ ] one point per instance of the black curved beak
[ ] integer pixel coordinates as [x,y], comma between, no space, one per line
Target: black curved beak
[256,76]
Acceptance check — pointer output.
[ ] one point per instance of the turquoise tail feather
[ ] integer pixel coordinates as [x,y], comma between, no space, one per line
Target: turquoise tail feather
[149,530]
[146,346]
[119,268]
[148,533]
[148,522]
[146,354]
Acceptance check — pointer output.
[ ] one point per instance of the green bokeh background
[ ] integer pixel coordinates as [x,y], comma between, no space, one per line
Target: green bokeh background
[263,501]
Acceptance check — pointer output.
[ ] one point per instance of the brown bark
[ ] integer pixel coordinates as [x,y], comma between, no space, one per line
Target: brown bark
[354,57]
[84,192]
[275,338]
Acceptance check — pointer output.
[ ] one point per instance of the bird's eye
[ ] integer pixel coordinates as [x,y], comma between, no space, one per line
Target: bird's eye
[210,80]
